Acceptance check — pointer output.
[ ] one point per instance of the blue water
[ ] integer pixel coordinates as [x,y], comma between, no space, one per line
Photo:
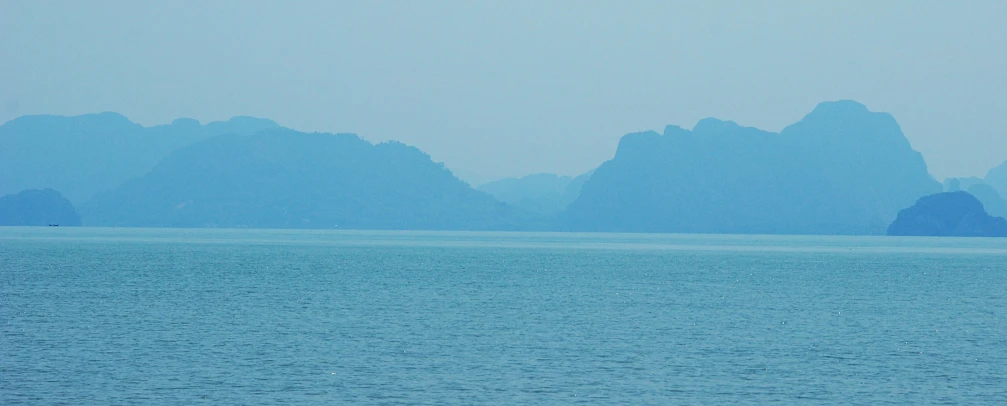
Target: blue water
[112,316]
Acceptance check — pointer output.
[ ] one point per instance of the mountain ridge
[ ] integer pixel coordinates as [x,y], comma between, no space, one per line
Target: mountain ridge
[86,154]
[842,169]
[282,178]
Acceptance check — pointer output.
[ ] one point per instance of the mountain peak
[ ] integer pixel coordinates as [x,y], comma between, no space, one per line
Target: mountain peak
[840,107]
[710,124]
[638,142]
[845,120]
[672,130]
[249,120]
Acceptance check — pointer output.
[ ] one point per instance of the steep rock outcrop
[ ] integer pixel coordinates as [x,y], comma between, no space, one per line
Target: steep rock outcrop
[840,170]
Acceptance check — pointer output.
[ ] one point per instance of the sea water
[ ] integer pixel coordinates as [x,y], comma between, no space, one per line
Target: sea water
[114,316]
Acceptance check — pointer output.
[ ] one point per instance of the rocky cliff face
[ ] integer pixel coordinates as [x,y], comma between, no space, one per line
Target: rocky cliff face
[841,170]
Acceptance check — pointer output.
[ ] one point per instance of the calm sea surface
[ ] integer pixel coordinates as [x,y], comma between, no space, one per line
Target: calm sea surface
[113,316]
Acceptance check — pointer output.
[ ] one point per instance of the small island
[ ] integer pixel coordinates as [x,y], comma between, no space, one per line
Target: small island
[949,214]
[37,207]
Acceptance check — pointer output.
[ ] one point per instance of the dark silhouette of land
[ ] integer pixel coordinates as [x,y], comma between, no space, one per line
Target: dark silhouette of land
[83,155]
[990,197]
[542,193]
[948,214]
[34,207]
[285,179]
[991,200]
[840,170]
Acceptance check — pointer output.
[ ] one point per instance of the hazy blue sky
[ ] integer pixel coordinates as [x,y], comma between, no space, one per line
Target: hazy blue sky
[509,88]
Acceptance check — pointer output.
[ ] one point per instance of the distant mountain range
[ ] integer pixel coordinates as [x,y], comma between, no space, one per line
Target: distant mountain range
[83,155]
[989,190]
[281,178]
[841,170]
[542,193]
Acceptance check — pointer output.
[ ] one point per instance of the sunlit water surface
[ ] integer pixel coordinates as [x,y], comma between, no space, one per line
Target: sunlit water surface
[114,316]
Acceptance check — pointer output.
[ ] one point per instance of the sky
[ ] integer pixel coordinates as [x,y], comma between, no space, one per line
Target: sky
[509,88]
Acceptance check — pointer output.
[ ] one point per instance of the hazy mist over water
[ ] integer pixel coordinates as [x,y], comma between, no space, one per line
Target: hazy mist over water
[503,202]
[497,89]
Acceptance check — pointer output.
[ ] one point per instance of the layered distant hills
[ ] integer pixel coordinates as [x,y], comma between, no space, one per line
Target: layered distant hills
[542,193]
[285,179]
[83,155]
[989,190]
[841,170]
